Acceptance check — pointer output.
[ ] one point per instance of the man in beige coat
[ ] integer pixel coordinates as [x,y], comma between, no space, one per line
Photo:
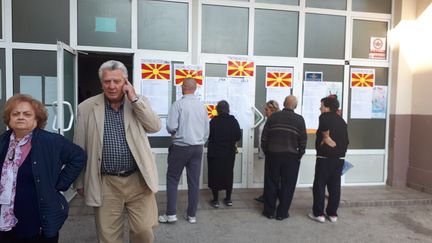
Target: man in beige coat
[120,175]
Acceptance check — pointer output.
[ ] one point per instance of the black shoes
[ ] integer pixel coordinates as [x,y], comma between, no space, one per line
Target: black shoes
[260,199]
[214,203]
[268,215]
[228,202]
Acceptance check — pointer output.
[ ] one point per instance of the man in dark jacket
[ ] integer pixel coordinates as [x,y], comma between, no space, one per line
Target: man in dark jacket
[331,145]
[283,142]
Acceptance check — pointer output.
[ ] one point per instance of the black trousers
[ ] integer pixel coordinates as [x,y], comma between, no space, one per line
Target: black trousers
[280,178]
[327,173]
[11,237]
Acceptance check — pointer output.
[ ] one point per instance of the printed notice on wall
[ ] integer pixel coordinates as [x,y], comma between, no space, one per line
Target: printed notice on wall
[369,103]
[313,92]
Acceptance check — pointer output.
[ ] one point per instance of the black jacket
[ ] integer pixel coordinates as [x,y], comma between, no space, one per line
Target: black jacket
[284,131]
[338,132]
[224,133]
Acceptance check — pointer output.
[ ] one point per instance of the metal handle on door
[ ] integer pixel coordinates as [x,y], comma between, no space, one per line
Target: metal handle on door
[54,104]
[71,116]
[260,115]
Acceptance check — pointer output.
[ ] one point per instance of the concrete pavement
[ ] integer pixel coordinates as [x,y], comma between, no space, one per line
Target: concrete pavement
[367,214]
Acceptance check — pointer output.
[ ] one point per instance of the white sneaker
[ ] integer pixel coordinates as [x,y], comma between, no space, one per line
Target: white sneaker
[191,220]
[320,219]
[332,219]
[167,219]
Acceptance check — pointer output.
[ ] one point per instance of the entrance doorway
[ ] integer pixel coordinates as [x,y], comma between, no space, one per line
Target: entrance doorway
[88,66]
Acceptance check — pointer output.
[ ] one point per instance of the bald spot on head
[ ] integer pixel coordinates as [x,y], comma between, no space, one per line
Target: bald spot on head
[189,86]
[290,102]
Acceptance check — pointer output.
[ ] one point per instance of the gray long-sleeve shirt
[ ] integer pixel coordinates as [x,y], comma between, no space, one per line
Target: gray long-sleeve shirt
[188,122]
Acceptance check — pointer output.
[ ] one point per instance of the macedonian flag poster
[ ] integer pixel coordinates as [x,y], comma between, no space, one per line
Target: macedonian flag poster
[188,71]
[240,67]
[362,77]
[211,110]
[155,70]
[279,77]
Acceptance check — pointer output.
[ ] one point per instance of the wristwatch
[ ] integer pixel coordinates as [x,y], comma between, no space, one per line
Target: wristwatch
[135,100]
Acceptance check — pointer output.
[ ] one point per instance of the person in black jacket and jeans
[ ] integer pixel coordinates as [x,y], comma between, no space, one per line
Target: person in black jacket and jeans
[331,145]
[283,142]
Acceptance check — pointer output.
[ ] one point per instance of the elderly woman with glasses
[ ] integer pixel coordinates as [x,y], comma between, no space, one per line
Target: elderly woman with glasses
[36,166]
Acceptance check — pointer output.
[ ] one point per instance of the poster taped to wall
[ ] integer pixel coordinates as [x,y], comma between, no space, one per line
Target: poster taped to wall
[155,83]
[369,103]
[187,71]
[313,92]
[279,77]
[239,93]
[240,67]
[362,77]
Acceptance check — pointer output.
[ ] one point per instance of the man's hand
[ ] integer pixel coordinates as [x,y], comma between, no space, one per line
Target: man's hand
[129,90]
[80,191]
[327,139]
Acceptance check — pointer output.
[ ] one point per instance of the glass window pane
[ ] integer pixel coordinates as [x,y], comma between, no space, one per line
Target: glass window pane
[215,70]
[288,2]
[1,21]
[325,36]
[330,4]
[34,69]
[276,33]
[2,85]
[104,23]
[375,137]
[363,30]
[42,21]
[220,34]
[334,73]
[163,25]
[382,6]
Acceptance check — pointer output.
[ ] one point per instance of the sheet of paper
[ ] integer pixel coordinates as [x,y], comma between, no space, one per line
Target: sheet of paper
[157,91]
[361,103]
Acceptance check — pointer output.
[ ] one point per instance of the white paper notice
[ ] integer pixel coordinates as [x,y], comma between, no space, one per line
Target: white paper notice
[277,94]
[379,102]
[313,92]
[157,92]
[216,89]
[361,103]
[163,132]
[241,96]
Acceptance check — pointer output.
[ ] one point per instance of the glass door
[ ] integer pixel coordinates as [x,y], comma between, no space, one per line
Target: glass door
[66,103]
[274,81]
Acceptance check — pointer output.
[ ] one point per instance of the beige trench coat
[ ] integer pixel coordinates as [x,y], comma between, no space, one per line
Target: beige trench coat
[139,119]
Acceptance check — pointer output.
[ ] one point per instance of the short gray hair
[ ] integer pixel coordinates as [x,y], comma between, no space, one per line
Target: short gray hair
[112,65]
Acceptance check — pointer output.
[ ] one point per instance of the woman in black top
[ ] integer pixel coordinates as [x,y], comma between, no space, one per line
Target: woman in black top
[224,133]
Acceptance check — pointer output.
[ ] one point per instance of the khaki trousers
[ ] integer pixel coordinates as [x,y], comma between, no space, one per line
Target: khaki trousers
[129,195]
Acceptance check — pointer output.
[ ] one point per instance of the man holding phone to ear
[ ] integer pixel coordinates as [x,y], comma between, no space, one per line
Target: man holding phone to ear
[120,175]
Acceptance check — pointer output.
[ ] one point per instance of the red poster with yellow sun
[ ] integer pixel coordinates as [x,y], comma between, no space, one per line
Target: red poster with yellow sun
[188,71]
[157,70]
[240,68]
[211,111]
[361,77]
[279,77]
